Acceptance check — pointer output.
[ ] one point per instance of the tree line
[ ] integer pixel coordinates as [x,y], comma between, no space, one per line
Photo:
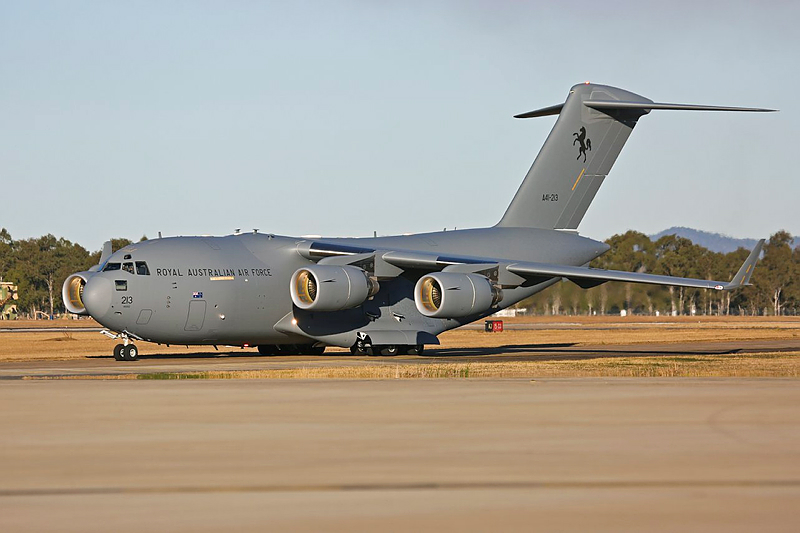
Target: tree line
[775,288]
[39,266]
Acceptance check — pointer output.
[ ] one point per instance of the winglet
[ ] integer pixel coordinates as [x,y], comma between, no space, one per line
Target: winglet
[742,278]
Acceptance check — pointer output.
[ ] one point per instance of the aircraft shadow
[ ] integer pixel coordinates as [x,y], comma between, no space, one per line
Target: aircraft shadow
[198,355]
[565,351]
[538,352]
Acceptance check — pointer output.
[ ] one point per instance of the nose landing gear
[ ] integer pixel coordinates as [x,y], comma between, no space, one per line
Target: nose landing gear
[127,351]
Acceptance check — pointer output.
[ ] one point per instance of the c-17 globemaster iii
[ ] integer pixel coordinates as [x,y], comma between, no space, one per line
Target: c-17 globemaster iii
[385,295]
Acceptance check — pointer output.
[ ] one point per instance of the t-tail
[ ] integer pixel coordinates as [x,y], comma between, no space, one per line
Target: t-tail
[592,127]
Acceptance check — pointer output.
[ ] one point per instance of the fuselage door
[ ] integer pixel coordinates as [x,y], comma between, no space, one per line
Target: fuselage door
[197,315]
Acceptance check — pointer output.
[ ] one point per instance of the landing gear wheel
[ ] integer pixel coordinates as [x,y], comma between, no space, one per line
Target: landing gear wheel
[118,352]
[415,349]
[361,350]
[362,347]
[389,350]
[316,350]
[130,353]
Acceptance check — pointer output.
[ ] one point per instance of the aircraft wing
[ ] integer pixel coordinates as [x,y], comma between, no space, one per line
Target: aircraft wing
[586,277]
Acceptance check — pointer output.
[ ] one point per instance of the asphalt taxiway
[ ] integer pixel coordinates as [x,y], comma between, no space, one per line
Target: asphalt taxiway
[335,455]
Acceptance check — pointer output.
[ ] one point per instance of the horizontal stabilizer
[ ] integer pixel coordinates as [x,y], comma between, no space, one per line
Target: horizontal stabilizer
[543,112]
[645,106]
[613,104]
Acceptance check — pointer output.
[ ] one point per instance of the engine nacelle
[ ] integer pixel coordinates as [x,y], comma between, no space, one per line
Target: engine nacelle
[72,292]
[453,295]
[331,287]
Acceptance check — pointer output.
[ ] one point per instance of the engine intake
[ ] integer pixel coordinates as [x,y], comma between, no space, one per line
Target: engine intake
[72,293]
[331,288]
[452,295]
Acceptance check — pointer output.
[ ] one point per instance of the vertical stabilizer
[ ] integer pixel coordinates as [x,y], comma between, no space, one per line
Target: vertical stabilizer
[575,158]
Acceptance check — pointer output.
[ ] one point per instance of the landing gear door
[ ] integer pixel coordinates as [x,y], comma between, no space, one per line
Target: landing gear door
[197,315]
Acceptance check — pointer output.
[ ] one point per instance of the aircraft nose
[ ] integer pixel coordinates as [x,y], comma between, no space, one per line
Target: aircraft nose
[97,296]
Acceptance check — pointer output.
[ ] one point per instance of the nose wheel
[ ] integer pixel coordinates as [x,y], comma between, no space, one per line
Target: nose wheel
[126,353]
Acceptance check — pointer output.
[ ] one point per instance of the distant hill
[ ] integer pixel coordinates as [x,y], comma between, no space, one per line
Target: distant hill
[716,242]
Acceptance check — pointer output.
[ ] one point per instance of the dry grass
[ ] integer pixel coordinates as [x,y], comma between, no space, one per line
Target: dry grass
[582,331]
[782,364]
[59,323]
[71,345]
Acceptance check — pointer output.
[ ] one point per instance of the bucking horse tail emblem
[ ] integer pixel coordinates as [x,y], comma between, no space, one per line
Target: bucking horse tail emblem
[584,143]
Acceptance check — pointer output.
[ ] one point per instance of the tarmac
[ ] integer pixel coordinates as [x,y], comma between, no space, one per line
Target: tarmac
[238,359]
[586,454]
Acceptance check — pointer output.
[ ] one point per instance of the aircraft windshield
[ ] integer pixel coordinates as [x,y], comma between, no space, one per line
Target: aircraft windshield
[111,266]
[141,268]
[127,267]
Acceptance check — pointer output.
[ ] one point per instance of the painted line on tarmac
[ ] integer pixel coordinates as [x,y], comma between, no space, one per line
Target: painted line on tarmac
[422,485]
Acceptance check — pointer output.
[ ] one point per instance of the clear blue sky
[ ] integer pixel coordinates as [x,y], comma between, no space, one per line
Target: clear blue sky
[344,118]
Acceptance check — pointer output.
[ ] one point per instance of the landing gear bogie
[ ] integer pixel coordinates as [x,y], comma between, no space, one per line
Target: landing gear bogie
[386,350]
[290,349]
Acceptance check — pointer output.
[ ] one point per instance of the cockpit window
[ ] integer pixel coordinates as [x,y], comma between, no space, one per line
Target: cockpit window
[141,268]
[111,266]
[127,267]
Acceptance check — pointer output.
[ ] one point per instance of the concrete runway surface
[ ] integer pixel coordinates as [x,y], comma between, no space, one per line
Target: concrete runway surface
[336,455]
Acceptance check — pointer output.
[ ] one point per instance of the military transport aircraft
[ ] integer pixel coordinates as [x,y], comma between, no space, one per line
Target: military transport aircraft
[382,295]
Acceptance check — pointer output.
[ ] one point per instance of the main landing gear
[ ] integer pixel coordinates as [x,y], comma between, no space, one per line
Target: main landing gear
[290,349]
[387,350]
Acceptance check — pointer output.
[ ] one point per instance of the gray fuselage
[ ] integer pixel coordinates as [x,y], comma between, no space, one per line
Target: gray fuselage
[234,290]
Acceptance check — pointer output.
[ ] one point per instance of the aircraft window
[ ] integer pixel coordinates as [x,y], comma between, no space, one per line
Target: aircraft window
[121,285]
[111,266]
[141,268]
[128,267]
[127,256]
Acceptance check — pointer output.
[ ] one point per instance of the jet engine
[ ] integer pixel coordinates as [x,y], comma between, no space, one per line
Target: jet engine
[72,292]
[452,295]
[331,288]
